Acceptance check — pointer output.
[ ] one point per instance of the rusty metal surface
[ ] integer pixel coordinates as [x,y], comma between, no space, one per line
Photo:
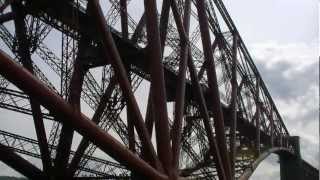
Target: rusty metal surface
[208,114]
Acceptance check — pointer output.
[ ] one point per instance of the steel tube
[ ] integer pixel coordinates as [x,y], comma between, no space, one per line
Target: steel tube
[150,115]
[131,137]
[164,18]
[130,127]
[124,18]
[113,54]
[25,58]
[258,104]
[84,143]
[233,106]
[181,83]
[9,157]
[214,150]
[55,104]
[66,135]
[195,81]
[154,54]
[222,9]
[149,122]
[213,86]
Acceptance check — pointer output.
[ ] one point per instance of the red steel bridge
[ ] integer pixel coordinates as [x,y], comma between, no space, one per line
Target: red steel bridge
[73,69]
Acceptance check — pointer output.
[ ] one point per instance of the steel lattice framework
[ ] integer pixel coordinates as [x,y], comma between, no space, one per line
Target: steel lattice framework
[60,60]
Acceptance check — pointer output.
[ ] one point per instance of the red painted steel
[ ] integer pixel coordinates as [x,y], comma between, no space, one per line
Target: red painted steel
[54,103]
[124,18]
[214,149]
[113,54]
[159,99]
[25,59]
[21,165]
[213,86]
[212,113]
[84,143]
[181,82]
[233,106]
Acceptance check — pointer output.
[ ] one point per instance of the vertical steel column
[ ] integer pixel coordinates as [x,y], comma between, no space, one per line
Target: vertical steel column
[84,143]
[130,124]
[271,128]
[130,127]
[66,136]
[154,55]
[114,57]
[25,58]
[124,18]
[213,86]
[181,81]
[149,122]
[213,147]
[164,18]
[233,106]
[205,63]
[258,106]
[131,136]
[150,115]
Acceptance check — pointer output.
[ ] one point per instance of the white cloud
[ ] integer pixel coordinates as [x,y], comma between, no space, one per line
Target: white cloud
[291,73]
[298,55]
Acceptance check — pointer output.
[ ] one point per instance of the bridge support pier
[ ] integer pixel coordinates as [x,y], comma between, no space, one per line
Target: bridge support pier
[291,166]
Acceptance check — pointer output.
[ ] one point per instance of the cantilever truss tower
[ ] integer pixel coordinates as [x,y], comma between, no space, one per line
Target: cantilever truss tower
[133,89]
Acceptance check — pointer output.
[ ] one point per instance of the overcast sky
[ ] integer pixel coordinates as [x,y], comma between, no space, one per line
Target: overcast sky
[282,37]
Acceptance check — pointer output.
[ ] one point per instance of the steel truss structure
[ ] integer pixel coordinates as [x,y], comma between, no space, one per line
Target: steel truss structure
[78,65]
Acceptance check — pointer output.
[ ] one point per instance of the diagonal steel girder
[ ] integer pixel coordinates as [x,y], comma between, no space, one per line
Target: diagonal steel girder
[53,102]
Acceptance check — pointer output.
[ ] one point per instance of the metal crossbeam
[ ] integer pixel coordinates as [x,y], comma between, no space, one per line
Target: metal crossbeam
[224,120]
